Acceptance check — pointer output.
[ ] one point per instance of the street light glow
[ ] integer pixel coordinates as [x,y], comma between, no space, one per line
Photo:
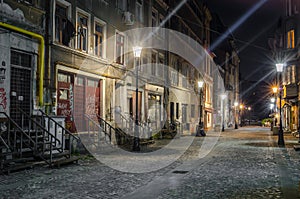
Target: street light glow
[279,67]
[272,99]
[236,104]
[137,50]
[200,83]
[223,96]
[275,89]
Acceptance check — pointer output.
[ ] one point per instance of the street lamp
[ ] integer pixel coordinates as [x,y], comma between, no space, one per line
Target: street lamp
[241,113]
[279,68]
[249,109]
[136,140]
[200,130]
[223,96]
[235,115]
[275,89]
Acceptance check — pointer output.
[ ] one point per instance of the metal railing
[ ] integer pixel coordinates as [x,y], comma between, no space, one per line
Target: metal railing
[57,127]
[16,139]
[128,124]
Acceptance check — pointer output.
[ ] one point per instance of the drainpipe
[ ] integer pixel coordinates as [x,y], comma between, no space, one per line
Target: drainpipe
[41,54]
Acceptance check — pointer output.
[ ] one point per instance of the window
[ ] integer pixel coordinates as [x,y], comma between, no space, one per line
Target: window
[98,39]
[154,18]
[291,39]
[193,110]
[82,32]
[139,10]
[121,5]
[174,78]
[154,61]
[63,78]
[21,59]
[79,81]
[161,19]
[60,22]
[92,83]
[119,48]
[161,61]
[293,74]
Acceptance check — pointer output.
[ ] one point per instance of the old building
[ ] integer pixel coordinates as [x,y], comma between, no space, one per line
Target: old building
[284,44]
[22,56]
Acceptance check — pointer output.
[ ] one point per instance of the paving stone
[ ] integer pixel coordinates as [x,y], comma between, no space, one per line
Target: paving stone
[235,168]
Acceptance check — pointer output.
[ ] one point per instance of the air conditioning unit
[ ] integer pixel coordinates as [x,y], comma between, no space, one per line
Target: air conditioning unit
[128,18]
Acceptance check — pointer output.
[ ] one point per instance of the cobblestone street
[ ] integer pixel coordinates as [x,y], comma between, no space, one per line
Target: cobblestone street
[245,163]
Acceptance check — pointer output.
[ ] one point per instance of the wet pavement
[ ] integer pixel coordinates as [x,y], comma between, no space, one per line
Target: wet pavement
[244,163]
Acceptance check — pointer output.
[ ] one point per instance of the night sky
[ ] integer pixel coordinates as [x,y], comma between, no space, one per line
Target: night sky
[252,32]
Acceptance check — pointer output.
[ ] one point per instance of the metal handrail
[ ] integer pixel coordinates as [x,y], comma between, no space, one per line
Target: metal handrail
[34,147]
[64,130]
[40,126]
[58,124]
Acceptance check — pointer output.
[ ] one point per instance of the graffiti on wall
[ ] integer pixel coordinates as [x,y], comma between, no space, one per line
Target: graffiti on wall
[3,99]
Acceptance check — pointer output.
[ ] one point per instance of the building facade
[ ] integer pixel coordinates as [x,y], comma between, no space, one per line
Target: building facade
[77,63]
[284,46]
[22,56]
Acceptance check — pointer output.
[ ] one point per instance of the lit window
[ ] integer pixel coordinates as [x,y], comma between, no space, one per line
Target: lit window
[291,39]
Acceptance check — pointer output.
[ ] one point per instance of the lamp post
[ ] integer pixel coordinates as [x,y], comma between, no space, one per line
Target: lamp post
[235,115]
[136,140]
[241,113]
[223,96]
[279,68]
[200,130]
[275,89]
[249,112]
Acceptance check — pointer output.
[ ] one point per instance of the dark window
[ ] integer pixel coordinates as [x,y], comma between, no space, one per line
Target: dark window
[82,31]
[119,48]
[98,39]
[60,22]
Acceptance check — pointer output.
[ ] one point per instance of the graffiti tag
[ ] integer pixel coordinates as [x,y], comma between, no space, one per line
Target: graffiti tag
[3,99]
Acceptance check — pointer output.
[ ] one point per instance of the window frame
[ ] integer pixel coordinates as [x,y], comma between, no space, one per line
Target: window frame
[139,6]
[68,7]
[122,61]
[103,43]
[87,27]
[291,39]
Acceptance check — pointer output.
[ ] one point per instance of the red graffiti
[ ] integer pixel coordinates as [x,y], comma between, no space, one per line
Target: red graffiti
[3,100]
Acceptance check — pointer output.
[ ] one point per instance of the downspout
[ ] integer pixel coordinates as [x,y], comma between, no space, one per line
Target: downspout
[41,54]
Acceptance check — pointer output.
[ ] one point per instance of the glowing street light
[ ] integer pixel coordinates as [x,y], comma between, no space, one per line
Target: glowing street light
[200,130]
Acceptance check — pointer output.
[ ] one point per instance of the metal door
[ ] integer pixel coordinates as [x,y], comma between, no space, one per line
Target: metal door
[20,88]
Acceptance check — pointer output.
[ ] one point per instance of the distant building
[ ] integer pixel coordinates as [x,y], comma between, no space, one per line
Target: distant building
[226,56]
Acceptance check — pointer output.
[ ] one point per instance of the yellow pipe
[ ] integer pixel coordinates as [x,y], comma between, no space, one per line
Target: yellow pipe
[41,55]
